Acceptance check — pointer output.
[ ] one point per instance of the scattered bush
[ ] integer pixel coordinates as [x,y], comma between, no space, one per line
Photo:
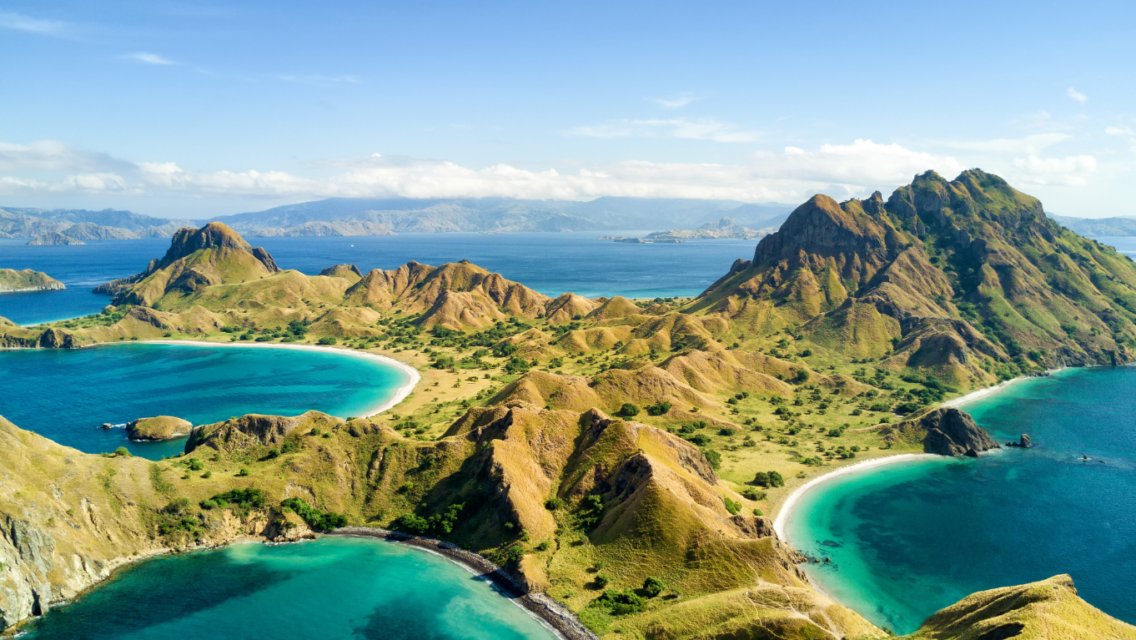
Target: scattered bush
[733,507]
[628,410]
[122,452]
[713,457]
[652,586]
[768,479]
[552,504]
[658,409]
[602,580]
[327,341]
[242,500]
[195,464]
[621,603]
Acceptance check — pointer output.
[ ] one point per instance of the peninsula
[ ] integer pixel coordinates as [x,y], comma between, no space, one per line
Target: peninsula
[621,457]
[12,281]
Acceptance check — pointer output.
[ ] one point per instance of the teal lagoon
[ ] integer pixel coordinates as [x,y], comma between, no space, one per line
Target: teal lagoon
[66,395]
[331,588]
[910,538]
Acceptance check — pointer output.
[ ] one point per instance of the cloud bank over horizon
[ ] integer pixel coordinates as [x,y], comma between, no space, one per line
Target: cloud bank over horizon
[50,168]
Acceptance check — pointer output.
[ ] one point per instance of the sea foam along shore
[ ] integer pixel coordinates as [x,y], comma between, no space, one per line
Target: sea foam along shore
[787,508]
[399,395]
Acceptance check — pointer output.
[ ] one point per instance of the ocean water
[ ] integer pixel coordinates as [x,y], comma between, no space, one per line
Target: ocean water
[67,395]
[551,263]
[911,538]
[335,588]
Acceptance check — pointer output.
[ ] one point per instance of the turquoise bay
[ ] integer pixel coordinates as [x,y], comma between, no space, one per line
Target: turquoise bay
[910,538]
[66,395]
[331,588]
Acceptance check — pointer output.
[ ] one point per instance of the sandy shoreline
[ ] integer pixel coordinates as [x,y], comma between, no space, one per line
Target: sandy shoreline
[787,507]
[400,394]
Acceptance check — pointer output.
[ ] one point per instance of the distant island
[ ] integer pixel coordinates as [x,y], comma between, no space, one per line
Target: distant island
[1099,227]
[344,217]
[53,239]
[12,281]
[722,229]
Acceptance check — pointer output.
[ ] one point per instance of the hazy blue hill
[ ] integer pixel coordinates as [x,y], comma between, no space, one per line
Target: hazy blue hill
[1098,227]
[762,216]
[506,214]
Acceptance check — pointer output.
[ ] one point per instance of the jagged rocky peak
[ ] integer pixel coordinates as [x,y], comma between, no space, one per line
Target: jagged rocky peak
[215,235]
[826,229]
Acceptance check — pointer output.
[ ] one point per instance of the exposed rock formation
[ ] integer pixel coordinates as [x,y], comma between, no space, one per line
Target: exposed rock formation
[946,432]
[12,281]
[158,428]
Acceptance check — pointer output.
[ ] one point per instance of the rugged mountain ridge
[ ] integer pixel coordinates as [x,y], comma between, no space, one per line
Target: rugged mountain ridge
[967,280]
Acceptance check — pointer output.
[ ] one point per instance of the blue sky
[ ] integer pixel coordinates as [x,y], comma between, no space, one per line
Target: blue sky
[192,109]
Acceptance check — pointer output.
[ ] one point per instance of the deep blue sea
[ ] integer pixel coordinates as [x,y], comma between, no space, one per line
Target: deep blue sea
[911,538]
[67,395]
[334,588]
[551,263]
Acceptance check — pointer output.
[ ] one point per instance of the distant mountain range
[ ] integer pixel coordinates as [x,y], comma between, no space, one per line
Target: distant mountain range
[1098,227]
[356,217]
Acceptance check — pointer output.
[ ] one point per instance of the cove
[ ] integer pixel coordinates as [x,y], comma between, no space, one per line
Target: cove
[65,395]
[910,538]
[330,588]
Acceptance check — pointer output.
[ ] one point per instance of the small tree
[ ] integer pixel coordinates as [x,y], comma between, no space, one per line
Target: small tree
[122,452]
[653,586]
[628,410]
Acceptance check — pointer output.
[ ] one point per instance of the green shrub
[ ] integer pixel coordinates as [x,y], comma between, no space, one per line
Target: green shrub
[658,409]
[327,341]
[122,452]
[621,603]
[316,519]
[713,457]
[552,504]
[239,499]
[543,546]
[653,587]
[243,473]
[602,580]
[753,494]
[733,507]
[196,465]
[768,479]
[628,410]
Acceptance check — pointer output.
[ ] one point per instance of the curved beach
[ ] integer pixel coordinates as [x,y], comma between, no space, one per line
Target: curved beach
[400,394]
[787,508]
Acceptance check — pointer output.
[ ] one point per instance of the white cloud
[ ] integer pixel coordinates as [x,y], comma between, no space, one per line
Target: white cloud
[148,58]
[1031,144]
[30,25]
[1119,131]
[1076,95]
[683,128]
[840,170]
[677,102]
[1068,171]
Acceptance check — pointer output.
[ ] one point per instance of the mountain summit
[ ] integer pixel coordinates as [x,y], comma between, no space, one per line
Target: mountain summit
[967,279]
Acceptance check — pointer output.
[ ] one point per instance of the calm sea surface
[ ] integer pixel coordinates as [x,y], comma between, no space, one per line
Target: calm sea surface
[551,263]
[65,395]
[331,588]
[911,538]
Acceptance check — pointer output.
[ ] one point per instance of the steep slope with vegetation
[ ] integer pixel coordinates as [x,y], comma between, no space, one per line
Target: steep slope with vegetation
[622,456]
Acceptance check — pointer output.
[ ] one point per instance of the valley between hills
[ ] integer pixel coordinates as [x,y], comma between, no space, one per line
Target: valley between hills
[624,457]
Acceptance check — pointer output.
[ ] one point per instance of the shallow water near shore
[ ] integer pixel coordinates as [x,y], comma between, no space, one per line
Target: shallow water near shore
[330,588]
[66,395]
[909,539]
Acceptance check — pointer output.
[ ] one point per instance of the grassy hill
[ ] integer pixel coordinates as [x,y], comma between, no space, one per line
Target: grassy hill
[588,445]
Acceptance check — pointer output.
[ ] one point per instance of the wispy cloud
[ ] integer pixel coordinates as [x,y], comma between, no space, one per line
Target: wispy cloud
[682,128]
[318,79]
[1076,95]
[30,25]
[677,102]
[148,58]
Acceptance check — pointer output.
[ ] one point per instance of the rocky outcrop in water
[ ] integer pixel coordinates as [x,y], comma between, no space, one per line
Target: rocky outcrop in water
[158,429]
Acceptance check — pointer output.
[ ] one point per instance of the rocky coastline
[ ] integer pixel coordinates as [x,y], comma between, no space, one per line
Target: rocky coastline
[540,605]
